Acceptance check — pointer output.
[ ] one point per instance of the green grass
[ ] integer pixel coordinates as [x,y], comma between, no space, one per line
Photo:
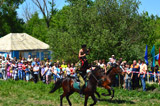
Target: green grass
[18,93]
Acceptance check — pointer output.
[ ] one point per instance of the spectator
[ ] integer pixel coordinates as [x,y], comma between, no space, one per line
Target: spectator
[58,63]
[114,59]
[135,71]
[23,70]
[30,70]
[14,70]
[61,73]
[27,72]
[0,59]
[99,62]
[156,72]
[8,68]
[38,62]
[58,71]
[143,69]
[68,70]
[128,77]
[35,72]
[3,66]
[29,58]
[34,62]
[20,75]
[158,77]
[48,74]
[139,62]
[23,59]
[43,73]
[48,62]
[1,76]
[64,66]
[54,71]
[72,70]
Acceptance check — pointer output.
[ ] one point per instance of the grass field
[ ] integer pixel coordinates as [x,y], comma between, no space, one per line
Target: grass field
[20,93]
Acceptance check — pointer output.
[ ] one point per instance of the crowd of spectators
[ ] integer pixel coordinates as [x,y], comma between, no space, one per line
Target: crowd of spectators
[135,74]
[35,70]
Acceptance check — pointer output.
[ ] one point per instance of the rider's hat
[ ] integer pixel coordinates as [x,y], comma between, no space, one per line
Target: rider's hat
[83,46]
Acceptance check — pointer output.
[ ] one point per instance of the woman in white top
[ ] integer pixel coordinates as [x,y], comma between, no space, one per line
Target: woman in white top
[68,70]
[48,73]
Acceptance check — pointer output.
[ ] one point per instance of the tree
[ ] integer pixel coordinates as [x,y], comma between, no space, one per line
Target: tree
[36,27]
[8,17]
[44,7]
[108,26]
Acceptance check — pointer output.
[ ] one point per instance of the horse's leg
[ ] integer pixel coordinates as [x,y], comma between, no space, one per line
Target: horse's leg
[94,99]
[61,98]
[67,97]
[97,94]
[112,93]
[86,99]
[109,91]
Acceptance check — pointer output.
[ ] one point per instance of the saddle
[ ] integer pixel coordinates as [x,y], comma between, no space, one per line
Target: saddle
[79,82]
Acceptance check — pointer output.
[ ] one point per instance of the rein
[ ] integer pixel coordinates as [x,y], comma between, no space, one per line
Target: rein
[95,77]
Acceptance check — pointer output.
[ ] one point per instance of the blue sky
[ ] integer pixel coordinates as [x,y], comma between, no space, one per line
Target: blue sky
[152,6]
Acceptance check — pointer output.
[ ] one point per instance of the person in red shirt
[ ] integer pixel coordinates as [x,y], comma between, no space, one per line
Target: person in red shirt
[23,69]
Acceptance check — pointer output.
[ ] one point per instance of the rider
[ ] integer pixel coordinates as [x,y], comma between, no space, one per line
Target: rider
[84,66]
[82,56]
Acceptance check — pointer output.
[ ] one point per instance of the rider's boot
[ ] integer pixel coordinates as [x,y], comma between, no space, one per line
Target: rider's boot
[82,91]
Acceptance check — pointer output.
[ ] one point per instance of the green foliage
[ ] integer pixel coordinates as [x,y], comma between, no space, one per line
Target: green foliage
[9,22]
[109,27]
[36,27]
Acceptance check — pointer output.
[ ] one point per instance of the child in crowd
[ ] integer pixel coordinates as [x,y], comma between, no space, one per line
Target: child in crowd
[27,72]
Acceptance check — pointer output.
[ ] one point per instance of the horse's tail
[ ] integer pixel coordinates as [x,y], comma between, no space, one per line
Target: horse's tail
[58,85]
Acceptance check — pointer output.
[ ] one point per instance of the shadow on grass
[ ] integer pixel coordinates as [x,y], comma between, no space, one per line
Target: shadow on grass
[117,101]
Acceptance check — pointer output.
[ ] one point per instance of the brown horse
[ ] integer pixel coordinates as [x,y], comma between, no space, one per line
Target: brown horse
[68,88]
[109,78]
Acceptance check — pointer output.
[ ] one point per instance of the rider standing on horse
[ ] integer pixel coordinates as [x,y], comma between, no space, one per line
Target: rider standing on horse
[82,56]
[84,66]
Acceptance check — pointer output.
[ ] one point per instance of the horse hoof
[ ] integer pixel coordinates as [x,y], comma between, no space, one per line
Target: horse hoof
[111,98]
[103,94]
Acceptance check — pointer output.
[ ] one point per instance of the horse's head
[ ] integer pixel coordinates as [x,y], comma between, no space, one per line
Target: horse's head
[98,72]
[116,68]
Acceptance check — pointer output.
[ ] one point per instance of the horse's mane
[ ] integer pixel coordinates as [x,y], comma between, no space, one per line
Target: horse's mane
[109,71]
[113,65]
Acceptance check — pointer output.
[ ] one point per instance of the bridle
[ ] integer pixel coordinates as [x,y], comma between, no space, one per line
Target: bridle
[95,76]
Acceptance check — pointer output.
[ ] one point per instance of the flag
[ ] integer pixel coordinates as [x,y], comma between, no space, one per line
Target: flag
[153,55]
[159,57]
[146,55]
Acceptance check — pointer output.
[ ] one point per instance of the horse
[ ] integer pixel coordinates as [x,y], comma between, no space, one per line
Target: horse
[109,78]
[68,88]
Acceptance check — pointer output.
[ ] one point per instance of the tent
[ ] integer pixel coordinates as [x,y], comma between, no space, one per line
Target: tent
[22,45]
